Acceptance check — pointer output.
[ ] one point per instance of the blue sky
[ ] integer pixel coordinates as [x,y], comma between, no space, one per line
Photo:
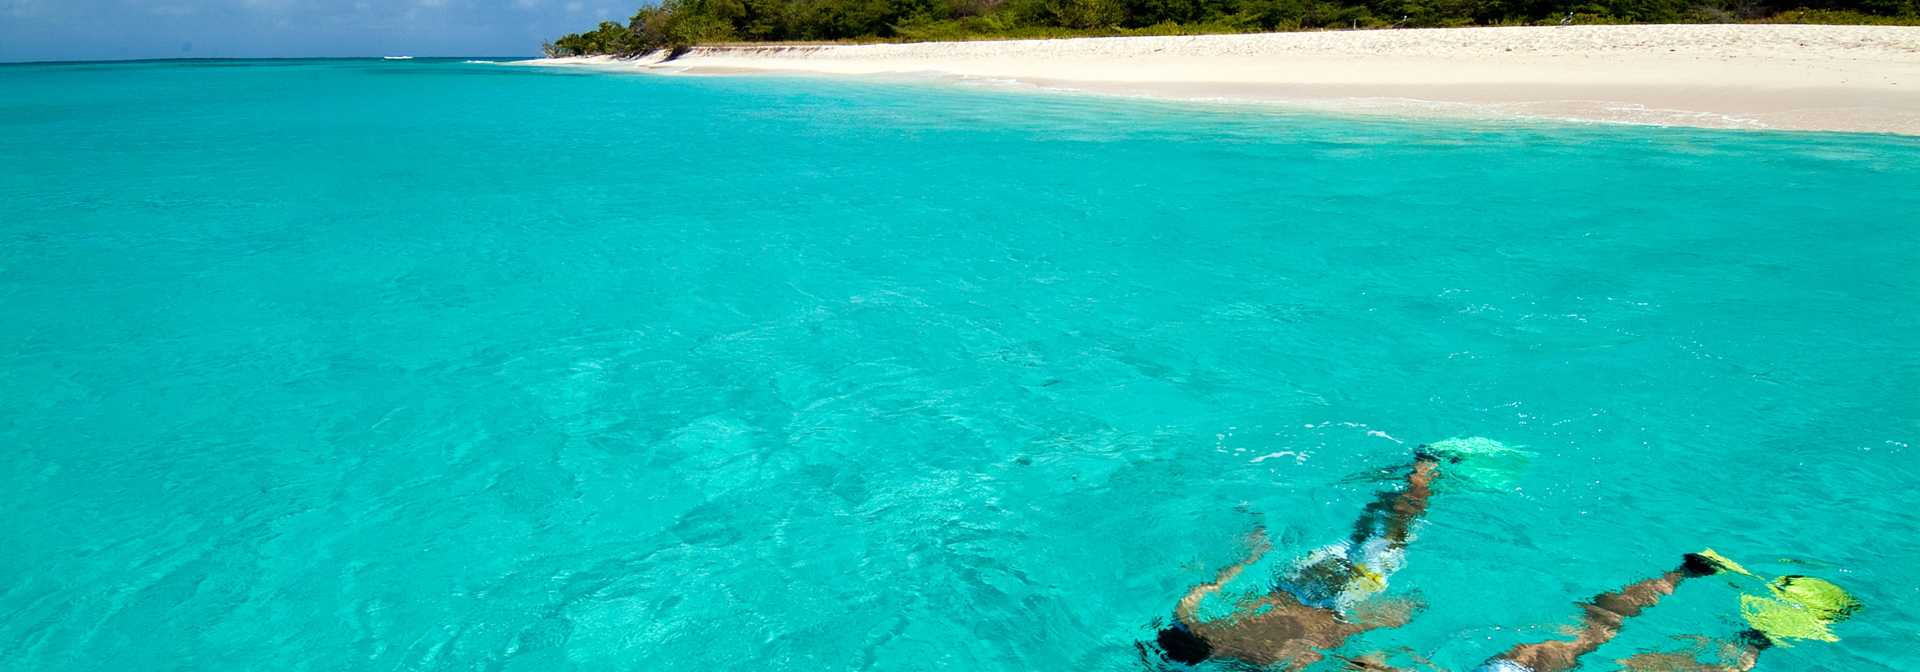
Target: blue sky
[61,30]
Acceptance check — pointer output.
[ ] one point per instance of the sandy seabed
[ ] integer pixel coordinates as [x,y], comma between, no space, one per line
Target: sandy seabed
[1791,77]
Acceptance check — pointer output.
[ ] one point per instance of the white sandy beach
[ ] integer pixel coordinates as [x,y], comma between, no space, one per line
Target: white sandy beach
[1796,77]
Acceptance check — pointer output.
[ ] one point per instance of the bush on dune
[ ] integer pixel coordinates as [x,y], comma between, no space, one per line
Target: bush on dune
[675,25]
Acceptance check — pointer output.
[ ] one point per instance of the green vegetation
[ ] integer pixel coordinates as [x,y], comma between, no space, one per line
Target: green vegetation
[678,24]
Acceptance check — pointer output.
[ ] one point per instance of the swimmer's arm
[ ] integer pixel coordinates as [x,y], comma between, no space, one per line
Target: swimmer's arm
[1302,656]
[1667,665]
[1379,613]
[1189,605]
[1658,662]
[1376,662]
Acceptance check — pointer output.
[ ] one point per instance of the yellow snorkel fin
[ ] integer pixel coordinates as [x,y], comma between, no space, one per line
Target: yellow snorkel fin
[1721,563]
[1800,607]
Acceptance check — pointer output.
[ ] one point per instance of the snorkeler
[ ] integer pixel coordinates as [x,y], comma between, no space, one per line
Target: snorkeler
[1331,594]
[1800,608]
[1322,602]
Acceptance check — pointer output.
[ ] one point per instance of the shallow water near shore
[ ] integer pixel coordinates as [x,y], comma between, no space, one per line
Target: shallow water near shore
[356,365]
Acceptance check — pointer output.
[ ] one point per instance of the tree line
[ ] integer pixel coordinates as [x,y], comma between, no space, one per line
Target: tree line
[678,24]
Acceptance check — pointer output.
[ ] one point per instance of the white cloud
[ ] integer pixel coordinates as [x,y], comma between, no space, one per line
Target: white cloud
[575,7]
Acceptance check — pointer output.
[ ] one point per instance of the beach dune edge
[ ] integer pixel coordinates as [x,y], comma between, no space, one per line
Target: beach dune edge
[1777,76]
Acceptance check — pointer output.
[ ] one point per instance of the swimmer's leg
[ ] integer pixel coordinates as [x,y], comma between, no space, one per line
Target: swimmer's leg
[1349,571]
[1600,622]
[1391,515]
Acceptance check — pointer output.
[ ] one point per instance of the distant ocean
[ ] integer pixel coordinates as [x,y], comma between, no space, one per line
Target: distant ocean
[431,365]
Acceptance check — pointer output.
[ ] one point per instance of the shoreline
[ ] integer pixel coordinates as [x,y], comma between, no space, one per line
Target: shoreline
[1769,76]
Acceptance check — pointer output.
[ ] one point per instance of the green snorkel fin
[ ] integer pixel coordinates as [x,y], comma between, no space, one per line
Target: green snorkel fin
[1476,464]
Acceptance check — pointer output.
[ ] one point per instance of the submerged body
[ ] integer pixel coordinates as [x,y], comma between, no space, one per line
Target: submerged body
[1327,599]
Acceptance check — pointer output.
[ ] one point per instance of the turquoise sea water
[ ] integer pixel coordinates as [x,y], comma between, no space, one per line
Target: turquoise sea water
[362,365]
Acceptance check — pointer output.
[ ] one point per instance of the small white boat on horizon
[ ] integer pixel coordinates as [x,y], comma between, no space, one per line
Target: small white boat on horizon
[396,58]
